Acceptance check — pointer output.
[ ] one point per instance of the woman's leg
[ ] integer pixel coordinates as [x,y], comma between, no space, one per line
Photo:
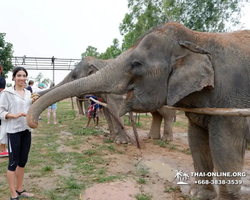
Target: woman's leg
[54,115]
[49,111]
[11,181]
[14,141]
[25,148]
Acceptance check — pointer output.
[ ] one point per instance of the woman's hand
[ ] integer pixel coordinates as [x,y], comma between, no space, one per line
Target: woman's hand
[35,97]
[15,116]
[20,114]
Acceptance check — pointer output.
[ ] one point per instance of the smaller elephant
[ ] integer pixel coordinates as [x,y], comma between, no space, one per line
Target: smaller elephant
[89,66]
[169,116]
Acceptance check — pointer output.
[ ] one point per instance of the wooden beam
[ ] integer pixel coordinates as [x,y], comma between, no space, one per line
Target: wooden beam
[245,112]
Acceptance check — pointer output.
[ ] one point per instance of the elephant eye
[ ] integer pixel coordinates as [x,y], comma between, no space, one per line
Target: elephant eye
[136,63]
[74,76]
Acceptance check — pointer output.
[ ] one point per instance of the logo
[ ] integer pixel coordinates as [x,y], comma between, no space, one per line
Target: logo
[182,177]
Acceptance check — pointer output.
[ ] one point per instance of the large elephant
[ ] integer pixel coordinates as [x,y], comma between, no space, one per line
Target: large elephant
[91,65]
[176,66]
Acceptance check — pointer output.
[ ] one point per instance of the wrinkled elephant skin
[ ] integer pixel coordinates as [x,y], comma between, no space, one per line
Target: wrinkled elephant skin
[176,66]
[91,65]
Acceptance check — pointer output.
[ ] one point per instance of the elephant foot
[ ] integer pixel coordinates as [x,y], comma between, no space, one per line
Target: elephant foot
[203,192]
[121,140]
[152,136]
[167,138]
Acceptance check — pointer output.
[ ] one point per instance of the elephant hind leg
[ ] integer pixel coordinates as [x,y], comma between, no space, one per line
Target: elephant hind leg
[155,129]
[168,129]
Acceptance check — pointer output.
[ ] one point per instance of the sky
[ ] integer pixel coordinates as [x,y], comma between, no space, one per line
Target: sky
[60,28]
[65,28]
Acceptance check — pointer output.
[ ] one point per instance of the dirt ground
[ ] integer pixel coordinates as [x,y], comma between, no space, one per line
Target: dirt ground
[162,164]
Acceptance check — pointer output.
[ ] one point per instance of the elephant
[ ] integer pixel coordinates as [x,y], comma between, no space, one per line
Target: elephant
[90,65]
[175,66]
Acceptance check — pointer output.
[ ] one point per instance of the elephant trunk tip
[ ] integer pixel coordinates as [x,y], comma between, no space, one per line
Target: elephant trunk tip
[31,122]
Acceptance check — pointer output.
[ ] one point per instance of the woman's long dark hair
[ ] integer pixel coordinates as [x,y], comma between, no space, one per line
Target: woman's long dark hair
[17,69]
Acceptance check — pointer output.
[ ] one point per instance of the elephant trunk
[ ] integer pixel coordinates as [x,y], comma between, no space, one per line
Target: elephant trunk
[104,81]
[41,93]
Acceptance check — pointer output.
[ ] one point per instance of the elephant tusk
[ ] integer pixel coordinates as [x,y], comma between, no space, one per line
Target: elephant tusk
[215,111]
[100,103]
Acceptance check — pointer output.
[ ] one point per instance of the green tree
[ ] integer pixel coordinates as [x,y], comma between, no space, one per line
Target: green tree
[39,79]
[91,51]
[200,15]
[6,54]
[111,52]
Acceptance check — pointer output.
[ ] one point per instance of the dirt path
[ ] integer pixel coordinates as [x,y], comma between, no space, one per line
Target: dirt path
[161,163]
[156,163]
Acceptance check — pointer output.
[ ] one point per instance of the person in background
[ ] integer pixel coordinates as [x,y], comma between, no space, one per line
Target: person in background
[53,61]
[3,137]
[52,109]
[24,57]
[31,83]
[93,111]
[40,88]
[14,104]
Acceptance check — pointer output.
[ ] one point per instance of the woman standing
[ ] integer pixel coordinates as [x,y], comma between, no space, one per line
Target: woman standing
[14,104]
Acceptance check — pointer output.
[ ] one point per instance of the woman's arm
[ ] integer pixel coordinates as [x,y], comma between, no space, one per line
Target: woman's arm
[11,115]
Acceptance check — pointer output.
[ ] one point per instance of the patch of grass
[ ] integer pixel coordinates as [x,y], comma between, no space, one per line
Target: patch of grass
[90,132]
[161,143]
[141,181]
[47,169]
[143,172]
[143,197]
[170,189]
[111,148]
[108,141]
[91,152]
[71,184]
[186,151]
[104,179]
[138,124]
[127,121]
[102,171]
[180,124]
[173,188]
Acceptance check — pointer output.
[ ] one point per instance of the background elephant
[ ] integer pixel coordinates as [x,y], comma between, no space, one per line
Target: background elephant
[79,102]
[179,67]
[91,65]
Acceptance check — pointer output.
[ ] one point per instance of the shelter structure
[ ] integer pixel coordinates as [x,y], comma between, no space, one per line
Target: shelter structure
[45,63]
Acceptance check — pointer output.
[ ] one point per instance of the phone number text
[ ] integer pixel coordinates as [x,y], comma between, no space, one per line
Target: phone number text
[219,182]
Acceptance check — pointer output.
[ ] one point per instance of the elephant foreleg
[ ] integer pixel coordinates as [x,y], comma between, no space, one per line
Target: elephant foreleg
[227,139]
[155,129]
[199,145]
[108,118]
[79,106]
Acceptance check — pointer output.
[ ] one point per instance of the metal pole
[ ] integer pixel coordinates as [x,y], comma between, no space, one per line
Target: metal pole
[53,72]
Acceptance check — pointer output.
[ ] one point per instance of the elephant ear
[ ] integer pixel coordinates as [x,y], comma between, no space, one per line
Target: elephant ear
[192,71]
[92,69]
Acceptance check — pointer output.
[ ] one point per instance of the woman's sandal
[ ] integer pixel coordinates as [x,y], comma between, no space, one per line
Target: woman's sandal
[17,198]
[20,194]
